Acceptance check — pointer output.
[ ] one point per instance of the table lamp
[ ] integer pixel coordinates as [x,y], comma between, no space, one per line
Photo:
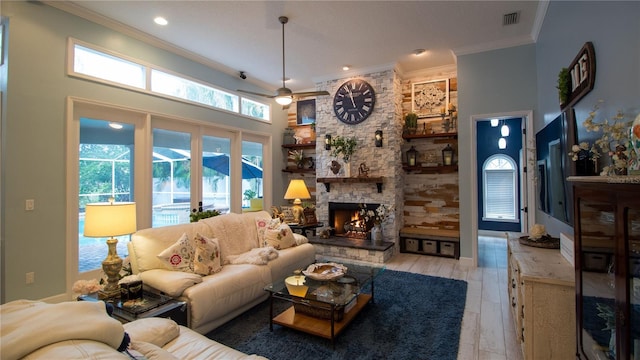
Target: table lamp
[109,220]
[297,190]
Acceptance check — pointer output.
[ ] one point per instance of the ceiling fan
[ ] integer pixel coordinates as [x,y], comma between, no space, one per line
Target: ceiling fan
[284,96]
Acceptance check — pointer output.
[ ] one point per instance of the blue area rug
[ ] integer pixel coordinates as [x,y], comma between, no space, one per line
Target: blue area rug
[413,317]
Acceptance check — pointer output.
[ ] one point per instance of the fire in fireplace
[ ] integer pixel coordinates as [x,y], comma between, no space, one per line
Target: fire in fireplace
[345,219]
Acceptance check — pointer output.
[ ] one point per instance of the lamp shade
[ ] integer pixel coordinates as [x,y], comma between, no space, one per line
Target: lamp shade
[297,190]
[110,219]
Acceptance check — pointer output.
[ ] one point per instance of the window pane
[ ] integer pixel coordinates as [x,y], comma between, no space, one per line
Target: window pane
[105,170]
[499,189]
[215,174]
[182,88]
[103,66]
[252,174]
[255,109]
[171,177]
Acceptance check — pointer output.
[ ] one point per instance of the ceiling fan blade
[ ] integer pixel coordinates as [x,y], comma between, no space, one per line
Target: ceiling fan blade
[310,93]
[255,93]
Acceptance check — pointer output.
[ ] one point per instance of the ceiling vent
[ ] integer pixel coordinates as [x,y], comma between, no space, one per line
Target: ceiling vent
[511,18]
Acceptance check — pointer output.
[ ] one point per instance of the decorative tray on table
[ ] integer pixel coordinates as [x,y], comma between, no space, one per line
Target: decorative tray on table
[546,242]
[325,271]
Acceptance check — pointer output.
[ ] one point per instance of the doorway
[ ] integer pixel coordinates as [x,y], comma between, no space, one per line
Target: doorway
[526,183]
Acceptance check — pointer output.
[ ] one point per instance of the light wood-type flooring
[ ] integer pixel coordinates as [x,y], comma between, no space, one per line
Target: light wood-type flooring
[488,330]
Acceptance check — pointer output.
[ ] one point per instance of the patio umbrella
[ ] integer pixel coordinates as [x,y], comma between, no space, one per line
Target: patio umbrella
[220,163]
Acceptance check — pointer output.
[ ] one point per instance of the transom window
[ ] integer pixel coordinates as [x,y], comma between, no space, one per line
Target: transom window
[91,62]
[500,189]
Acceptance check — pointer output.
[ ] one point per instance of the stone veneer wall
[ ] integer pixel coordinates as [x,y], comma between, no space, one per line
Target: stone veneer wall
[420,200]
[382,161]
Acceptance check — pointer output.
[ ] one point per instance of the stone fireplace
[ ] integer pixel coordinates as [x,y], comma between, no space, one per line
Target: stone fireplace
[345,220]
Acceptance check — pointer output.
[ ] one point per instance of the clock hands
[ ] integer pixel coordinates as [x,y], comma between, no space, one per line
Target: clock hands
[351,96]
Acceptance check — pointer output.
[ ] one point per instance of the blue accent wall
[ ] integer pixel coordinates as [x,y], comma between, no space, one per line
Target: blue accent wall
[487,146]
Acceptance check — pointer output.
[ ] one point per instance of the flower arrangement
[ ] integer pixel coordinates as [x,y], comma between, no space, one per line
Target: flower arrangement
[377,216]
[84,287]
[343,146]
[196,215]
[615,136]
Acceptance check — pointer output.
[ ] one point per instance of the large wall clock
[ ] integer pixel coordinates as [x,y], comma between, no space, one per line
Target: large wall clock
[354,101]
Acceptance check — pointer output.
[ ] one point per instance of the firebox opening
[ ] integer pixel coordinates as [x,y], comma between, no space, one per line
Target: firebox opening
[345,219]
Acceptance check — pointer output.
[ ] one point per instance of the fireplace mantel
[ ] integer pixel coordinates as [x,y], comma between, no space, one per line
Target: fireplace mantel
[350,180]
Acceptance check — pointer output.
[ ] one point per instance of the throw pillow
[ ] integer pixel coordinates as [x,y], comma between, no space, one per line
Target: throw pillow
[262,224]
[207,257]
[300,239]
[279,236]
[179,256]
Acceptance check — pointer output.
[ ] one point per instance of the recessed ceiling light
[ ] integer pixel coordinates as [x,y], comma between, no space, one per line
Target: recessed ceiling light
[418,52]
[115,126]
[160,21]
[346,67]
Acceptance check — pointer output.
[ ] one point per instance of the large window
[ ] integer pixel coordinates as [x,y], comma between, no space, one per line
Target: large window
[89,61]
[500,189]
[105,171]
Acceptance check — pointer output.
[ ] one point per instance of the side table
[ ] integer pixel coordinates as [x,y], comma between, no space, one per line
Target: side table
[302,229]
[155,305]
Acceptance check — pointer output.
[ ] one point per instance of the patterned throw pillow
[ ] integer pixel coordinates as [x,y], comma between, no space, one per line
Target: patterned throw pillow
[279,236]
[179,256]
[262,224]
[207,257]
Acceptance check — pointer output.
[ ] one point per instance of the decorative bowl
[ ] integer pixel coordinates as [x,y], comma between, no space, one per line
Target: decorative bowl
[325,271]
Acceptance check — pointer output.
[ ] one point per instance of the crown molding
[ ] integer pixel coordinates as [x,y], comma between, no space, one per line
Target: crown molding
[539,20]
[355,72]
[496,45]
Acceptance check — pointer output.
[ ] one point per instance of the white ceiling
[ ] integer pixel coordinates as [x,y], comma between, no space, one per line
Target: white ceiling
[322,36]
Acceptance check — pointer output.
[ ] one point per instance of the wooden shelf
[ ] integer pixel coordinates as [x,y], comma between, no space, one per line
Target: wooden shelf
[430,136]
[440,169]
[299,171]
[300,146]
[350,180]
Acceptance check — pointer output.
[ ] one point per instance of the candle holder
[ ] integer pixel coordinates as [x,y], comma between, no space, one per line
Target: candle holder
[453,119]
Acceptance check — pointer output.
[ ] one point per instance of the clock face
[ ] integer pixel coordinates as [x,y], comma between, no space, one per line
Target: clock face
[354,101]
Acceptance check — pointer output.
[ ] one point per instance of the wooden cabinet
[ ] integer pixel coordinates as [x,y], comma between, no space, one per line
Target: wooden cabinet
[607,266]
[542,299]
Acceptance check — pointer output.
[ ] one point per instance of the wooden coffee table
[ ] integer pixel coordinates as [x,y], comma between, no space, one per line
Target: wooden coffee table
[328,306]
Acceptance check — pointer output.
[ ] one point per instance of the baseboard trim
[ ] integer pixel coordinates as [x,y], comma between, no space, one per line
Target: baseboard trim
[466,261]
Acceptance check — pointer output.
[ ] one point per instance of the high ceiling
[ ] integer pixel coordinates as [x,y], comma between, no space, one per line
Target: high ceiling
[321,36]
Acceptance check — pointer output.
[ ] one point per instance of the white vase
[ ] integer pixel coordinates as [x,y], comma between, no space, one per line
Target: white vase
[376,234]
[346,165]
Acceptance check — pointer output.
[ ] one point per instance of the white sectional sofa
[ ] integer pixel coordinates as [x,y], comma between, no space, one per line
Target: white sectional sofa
[216,298]
[34,330]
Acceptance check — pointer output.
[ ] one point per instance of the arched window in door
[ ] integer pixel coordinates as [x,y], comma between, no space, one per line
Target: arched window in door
[500,189]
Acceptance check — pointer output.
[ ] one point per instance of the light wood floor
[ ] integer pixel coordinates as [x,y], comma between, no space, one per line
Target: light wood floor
[488,330]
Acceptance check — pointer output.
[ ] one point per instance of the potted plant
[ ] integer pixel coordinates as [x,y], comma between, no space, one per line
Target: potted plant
[343,146]
[297,157]
[411,123]
[564,86]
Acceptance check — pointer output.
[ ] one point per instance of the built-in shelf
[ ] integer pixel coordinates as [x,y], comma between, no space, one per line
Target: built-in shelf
[350,180]
[299,171]
[451,135]
[440,169]
[300,146]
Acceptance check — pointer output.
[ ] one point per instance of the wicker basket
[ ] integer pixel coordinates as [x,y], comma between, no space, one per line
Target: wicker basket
[319,310]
